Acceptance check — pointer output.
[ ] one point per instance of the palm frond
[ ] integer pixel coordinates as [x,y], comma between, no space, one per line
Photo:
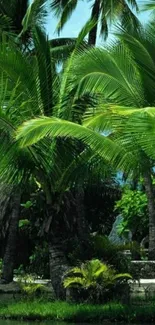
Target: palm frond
[66,13]
[141,46]
[57,6]
[45,73]
[143,130]
[122,276]
[35,15]
[98,71]
[147,6]
[6,23]
[122,12]
[35,130]
[18,69]
[61,48]
[9,11]
[73,281]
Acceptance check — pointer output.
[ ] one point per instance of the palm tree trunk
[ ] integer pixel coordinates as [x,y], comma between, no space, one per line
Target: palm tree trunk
[82,225]
[57,260]
[94,16]
[10,251]
[58,265]
[151,209]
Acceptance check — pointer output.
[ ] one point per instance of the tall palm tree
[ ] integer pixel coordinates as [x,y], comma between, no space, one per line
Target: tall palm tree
[16,104]
[30,86]
[135,79]
[124,76]
[25,93]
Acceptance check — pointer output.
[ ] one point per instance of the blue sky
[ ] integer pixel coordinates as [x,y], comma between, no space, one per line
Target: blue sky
[78,19]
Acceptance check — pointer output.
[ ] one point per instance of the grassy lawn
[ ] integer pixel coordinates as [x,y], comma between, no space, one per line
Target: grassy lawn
[38,310]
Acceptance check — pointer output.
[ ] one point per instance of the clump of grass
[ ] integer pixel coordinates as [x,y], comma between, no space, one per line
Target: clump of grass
[63,311]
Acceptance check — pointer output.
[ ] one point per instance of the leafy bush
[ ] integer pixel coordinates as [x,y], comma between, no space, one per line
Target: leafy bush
[133,207]
[95,280]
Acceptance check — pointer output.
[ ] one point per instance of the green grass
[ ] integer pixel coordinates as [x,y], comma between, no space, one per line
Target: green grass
[62,311]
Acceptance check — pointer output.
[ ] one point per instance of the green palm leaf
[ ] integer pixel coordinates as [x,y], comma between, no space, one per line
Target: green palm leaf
[101,71]
[66,13]
[35,130]
[122,276]
[35,15]
[73,281]
[148,5]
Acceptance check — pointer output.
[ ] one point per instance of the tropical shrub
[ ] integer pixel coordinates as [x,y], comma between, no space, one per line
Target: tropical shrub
[28,286]
[133,207]
[95,281]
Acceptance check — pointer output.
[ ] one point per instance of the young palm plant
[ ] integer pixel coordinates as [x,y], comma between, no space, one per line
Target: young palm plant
[96,278]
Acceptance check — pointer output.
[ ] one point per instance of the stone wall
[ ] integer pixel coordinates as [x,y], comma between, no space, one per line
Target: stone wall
[142,290]
[143,269]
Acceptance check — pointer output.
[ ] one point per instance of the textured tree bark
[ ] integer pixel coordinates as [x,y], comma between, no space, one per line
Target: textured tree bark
[57,260]
[151,209]
[58,266]
[95,16]
[10,250]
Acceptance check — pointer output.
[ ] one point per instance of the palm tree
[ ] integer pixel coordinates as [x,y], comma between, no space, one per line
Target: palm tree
[124,76]
[42,94]
[135,79]
[104,13]
[27,93]
[14,169]
[23,97]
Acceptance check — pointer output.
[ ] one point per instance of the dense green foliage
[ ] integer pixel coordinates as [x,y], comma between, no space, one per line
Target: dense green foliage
[133,207]
[73,116]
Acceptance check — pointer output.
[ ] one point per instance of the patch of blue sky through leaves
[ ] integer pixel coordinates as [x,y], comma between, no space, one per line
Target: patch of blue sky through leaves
[78,19]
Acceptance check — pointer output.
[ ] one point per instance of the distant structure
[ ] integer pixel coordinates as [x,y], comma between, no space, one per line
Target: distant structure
[114,237]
